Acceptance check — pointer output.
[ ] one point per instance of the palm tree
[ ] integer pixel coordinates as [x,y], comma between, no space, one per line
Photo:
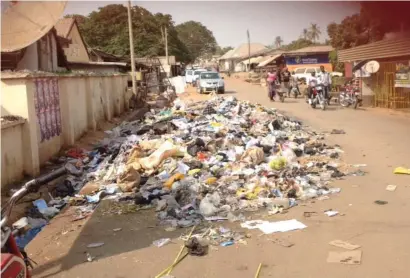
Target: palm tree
[305,33]
[278,41]
[314,32]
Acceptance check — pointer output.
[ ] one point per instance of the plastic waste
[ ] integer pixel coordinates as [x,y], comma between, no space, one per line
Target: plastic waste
[161,242]
[227,243]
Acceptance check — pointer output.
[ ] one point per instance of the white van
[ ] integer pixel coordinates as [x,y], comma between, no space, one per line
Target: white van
[189,74]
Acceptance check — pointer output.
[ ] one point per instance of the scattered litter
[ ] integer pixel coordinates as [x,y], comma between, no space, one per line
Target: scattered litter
[380,202]
[273,227]
[402,170]
[95,245]
[283,242]
[161,242]
[391,187]
[359,165]
[117,229]
[324,197]
[227,243]
[212,160]
[349,257]
[331,213]
[309,213]
[196,248]
[89,257]
[338,131]
[344,244]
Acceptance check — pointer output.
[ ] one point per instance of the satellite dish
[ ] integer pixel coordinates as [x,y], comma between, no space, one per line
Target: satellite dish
[372,66]
[23,23]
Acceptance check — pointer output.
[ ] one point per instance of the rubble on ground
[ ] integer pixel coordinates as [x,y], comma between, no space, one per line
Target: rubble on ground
[211,160]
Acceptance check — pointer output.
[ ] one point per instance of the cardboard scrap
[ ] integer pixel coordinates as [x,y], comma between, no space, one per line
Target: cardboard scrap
[344,244]
[349,257]
[391,187]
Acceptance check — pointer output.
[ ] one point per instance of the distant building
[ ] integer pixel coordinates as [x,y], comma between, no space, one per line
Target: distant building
[233,59]
[311,56]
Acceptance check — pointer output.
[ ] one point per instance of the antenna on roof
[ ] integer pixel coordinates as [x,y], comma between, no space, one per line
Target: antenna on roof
[25,22]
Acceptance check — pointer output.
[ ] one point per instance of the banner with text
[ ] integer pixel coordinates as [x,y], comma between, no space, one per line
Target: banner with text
[402,78]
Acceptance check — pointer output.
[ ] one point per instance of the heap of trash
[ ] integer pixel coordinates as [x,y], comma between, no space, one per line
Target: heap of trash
[210,160]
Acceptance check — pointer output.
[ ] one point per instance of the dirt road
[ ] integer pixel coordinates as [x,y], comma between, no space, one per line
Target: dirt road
[373,137]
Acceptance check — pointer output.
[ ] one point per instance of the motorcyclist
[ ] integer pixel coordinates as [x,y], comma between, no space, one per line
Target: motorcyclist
[326,80]
[312,83]
[294,83]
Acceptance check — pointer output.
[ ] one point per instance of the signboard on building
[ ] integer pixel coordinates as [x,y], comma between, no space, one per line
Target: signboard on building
[308,59]
[402,78]
[361,72]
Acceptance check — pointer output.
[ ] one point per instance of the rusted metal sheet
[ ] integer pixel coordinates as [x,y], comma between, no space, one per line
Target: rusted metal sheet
[381,49]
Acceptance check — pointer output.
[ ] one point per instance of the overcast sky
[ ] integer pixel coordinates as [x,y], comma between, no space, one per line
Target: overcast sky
[229,20]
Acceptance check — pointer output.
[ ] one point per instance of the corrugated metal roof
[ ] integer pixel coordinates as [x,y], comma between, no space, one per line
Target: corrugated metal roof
[241,51]
[381,49]
[312,49]
[63,26]
[268,60]
[227,55]
[254,60]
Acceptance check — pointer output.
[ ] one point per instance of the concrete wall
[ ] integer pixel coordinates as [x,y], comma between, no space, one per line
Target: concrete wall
[12,152]
[84,101]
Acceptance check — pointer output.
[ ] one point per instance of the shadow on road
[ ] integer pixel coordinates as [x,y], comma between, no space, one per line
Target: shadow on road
[138,230]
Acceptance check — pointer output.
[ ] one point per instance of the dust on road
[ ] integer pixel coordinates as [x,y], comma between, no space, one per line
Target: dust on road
[377,139]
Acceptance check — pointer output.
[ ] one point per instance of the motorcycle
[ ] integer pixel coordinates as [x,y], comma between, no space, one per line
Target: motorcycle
[350,96]
[318,97]
[15,262]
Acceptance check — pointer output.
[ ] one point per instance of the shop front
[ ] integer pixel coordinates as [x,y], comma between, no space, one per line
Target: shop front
[309,57]
[389,86]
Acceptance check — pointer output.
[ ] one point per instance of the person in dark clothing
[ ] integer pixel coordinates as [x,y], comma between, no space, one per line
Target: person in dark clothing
[286,80]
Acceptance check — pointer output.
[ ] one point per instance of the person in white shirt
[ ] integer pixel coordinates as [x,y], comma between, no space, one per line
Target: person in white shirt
[312,83]
[326,80]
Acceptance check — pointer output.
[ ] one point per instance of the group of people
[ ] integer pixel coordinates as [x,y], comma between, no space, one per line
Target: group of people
[323,79]
[281,78]
[288,82]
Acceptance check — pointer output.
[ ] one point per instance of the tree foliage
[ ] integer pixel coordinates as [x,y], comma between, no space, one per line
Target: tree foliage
[107,29]
[278,41]
[198,39]
[314,32]
[374,20]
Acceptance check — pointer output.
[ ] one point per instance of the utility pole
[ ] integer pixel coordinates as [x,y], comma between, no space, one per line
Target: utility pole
[249,51]
[166,44]
[134,84]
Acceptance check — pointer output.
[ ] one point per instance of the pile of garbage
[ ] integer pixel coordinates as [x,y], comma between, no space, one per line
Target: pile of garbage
[211,160]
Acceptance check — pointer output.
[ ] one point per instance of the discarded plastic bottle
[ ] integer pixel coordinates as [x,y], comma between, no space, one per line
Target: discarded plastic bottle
[227,243]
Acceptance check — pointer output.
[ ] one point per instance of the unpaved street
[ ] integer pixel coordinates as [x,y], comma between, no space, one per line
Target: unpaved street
[373,137]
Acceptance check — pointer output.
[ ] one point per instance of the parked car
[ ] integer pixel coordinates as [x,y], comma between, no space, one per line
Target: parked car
[306,72]
[210,81]
[195,75]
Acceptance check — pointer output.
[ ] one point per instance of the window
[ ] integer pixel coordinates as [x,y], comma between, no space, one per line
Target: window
[210,75]
[189,72]
[302,70]
[310,70]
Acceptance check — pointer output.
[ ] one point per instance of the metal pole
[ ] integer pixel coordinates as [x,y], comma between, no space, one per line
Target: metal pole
[166,44]
[249,51]
[168,73]
[134,84]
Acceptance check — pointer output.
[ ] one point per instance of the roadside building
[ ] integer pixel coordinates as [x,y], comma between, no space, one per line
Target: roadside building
[77,53]
[234,60]
[389,87]
[45,54]
[311,56]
